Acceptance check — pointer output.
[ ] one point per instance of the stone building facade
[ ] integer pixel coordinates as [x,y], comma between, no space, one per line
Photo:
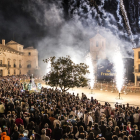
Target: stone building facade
[137,66]
[15,60]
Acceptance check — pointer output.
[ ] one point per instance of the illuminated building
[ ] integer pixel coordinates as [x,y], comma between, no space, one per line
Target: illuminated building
[137,65]
[14,60]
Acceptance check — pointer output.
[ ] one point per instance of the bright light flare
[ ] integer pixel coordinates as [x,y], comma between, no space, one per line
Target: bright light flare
[91,70]
[48,69]
[119,70]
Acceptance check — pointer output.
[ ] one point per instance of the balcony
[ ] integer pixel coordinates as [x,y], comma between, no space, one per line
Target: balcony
[14,65]
[137,71]
[20,66]
[28,66]
[3,65]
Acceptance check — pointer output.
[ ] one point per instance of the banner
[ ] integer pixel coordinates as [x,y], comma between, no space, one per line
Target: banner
[105,70]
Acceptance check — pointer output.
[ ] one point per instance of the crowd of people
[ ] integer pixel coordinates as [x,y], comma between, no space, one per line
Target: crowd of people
[51,114]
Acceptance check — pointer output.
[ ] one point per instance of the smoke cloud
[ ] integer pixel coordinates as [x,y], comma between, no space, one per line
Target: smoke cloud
[72,37]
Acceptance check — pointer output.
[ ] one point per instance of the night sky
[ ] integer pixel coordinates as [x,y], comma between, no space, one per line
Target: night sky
[51,25]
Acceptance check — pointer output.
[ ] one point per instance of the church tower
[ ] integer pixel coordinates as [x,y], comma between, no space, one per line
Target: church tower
[97,50]
[98,47]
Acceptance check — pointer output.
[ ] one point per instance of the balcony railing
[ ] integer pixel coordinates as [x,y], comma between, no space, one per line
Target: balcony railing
[3,65]
[28,66]
[8,66]
[137,70]
[20,66]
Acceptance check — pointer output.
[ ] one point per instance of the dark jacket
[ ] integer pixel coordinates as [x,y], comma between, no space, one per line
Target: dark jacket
[24,138]
[57,133]
[108,135]
[103,130]
[15,135]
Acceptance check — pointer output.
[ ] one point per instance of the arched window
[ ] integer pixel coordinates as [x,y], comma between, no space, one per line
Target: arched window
[28,64]
[97,44]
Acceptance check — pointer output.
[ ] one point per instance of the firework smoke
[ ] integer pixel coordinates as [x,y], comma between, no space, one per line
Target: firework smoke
[91,70]
[48,69]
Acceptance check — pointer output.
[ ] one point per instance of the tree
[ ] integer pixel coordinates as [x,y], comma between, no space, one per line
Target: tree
[66,74]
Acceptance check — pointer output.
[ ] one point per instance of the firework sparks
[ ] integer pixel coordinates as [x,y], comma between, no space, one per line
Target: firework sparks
[48,69]
[91,70]
[119,69]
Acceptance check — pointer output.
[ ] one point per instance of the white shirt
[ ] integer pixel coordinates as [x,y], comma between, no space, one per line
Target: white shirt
[136,117]
[56,122]
[90,119]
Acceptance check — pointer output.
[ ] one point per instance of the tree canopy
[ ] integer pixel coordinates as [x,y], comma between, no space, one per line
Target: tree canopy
[66,74]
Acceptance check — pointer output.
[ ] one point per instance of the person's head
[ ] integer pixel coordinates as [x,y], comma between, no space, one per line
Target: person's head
[46,125]
[25,133]
[114,137]
[130,137]
[21,128]
[68,129]
[125,138]
[121,135]
[15,128]
[124,127]
[43,131]
[117,129]
[91,136]
[102,122]
[81,119]
[75,129]
[57,125]
[96,126]
[90,123]
[137,132]
[81,129]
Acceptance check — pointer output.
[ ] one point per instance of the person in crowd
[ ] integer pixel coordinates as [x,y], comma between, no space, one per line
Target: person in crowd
[54,115]
[43,136]
[4,134]
[57,132]
[103,128]
[96,130]
[15,134]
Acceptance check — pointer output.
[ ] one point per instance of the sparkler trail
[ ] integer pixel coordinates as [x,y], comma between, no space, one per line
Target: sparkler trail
[126,21]
[119,69]
[118,13]
[91,70]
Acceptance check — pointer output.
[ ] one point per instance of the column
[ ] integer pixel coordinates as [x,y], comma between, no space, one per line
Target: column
[135,80]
